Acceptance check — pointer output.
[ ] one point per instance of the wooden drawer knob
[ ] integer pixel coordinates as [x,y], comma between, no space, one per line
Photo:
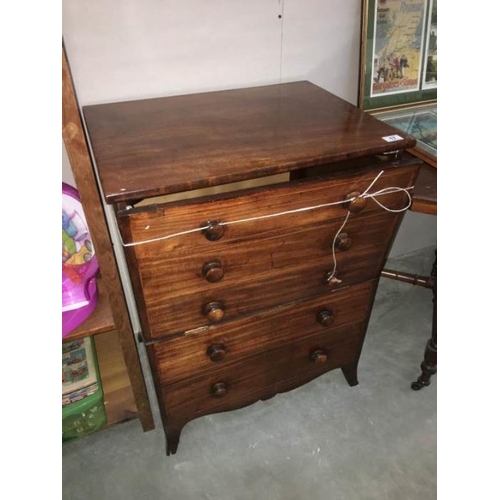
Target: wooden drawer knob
[343,242]
[214,311]
[216,352]
[319,356]
[325,318]
[214,231]
[357,204]
[219,390]
[213,272]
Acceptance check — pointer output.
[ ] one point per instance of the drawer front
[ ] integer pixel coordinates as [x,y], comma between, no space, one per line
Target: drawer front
[256,276]
[157,222]
[263,375]
[217,346]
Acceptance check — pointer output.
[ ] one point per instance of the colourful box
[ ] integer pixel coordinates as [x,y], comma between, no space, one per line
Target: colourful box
[83,410]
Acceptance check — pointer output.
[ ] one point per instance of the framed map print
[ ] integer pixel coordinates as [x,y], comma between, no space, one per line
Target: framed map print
[430,57]
[398,53]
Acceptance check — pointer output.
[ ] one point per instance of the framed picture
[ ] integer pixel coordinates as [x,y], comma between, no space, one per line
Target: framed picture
[421,123]
[398,53]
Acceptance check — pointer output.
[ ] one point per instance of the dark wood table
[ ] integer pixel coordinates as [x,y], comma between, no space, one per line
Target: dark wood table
[424,201]
[425,191]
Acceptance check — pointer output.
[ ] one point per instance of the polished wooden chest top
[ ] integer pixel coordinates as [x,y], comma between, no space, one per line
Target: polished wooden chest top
[152,147]
[232,289]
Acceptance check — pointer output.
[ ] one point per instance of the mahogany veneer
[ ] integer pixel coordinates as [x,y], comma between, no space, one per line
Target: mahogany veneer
[238,307]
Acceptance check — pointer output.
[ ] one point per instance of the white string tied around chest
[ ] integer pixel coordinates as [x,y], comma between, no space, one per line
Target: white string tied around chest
[332,275]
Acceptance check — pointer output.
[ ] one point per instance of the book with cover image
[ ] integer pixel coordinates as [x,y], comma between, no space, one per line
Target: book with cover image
[79,370]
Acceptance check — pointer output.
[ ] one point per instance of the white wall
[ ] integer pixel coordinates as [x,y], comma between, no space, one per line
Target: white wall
[140,48]
[132,49]
[67,174]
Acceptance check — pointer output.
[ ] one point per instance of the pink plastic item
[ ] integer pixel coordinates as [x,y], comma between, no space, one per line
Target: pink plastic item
[79,263]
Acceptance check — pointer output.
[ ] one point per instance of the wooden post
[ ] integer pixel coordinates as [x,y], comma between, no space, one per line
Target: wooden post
[81,164]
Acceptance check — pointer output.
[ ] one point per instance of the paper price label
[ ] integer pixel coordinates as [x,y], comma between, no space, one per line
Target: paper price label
[392,138]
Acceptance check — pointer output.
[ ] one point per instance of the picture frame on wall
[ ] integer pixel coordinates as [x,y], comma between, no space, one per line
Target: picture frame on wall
[398,74]
[398,53]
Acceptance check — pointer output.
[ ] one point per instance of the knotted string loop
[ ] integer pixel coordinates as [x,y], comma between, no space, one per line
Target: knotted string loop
[365,194]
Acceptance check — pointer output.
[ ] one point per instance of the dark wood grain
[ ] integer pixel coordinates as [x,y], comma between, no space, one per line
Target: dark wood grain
[292,264]
[425,192]
[262,375]
[171,144]
[237,312]
[187,356]
[160,221]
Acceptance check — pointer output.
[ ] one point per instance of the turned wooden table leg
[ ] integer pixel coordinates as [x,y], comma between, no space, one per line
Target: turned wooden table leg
[429,364]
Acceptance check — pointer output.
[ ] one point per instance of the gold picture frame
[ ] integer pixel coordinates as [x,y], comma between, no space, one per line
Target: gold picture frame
[398,54]
[398,71]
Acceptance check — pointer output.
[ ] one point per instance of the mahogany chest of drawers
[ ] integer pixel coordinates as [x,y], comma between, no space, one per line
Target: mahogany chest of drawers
[247,291]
